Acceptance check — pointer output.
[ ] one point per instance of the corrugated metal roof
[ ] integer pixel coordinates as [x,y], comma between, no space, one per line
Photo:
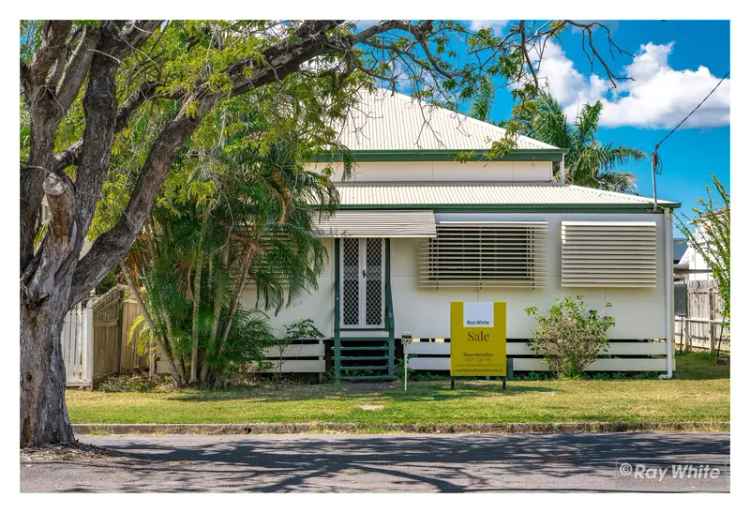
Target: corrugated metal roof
[369,223]
[494,193]
[393,121]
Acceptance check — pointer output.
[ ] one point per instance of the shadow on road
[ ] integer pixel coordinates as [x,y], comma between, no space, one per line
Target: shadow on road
[454,463]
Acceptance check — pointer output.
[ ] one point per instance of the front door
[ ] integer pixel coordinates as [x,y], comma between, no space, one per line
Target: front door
[362,283]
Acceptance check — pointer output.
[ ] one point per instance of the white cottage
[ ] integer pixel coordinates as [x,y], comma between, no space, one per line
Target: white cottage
[417,228]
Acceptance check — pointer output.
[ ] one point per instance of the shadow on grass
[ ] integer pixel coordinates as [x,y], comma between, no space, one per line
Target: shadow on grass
[417,392]
[700,366]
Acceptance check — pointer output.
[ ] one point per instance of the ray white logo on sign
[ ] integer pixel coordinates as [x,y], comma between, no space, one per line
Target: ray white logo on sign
[479,315]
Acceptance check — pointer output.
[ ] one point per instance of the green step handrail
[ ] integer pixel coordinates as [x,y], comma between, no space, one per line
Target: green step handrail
[390,323]
[337,314]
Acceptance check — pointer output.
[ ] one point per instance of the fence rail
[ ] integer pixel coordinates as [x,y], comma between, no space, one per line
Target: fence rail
[619,357]
[295,358]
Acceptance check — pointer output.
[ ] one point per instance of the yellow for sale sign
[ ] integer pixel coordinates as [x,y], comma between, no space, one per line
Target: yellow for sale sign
[478,339]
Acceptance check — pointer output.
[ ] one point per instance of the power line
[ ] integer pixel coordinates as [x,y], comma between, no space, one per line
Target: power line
[695,109]
[655,160]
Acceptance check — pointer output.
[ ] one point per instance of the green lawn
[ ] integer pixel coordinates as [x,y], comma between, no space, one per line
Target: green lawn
[700,392]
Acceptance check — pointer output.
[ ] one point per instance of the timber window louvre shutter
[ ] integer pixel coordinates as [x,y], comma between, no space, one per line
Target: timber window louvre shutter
[484,254]
[608,254]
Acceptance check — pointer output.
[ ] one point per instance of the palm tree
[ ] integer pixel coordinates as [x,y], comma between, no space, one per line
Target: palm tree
[589,163]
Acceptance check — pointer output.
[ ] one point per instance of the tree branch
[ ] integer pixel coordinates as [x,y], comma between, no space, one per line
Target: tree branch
[72,154]
[113,245]
[280,60]
[61,201]
[54,36]
[76,69]
[26,85]
[525,50]
[57,244]
[284,57]
[113,43]
[100,107]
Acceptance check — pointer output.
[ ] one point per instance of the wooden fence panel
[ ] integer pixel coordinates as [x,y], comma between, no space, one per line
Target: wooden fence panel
[107,334]
[701,327]
[94,339]
[131,358]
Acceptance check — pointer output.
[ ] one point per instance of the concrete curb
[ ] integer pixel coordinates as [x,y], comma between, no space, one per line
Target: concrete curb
[332,427]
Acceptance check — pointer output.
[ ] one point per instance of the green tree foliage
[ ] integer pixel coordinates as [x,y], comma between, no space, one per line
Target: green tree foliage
[238,212]
[588,162]
[482,105]
[569,336]
[709,235]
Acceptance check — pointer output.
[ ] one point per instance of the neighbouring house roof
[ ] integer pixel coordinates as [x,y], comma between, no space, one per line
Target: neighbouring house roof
[386,123]
[490,195]
[679,246]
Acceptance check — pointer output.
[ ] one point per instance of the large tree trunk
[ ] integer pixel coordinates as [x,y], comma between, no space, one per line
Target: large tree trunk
[44,416]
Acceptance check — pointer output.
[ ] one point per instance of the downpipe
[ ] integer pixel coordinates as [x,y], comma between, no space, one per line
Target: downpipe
[669,292]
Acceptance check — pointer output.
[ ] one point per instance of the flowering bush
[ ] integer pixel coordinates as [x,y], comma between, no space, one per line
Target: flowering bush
[569,336]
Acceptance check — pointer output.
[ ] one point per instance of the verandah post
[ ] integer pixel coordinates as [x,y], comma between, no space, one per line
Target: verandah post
[337,312]
[390,314]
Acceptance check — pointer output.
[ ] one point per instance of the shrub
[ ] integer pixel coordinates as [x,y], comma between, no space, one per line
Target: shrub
[569,336]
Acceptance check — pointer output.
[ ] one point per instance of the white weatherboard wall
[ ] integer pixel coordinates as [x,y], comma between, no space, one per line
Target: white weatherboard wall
[437,171]
[314,304]
[425,312]
[639,312]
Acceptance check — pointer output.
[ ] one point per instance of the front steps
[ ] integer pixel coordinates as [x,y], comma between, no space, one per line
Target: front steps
[364,358]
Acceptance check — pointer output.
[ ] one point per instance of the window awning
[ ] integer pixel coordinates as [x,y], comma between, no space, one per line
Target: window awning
[377,224]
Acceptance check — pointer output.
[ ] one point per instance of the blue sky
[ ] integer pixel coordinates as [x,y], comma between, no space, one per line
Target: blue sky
[674,65]
[691,155]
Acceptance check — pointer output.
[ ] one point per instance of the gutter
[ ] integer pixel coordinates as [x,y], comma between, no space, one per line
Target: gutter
[549,155]
[645,208]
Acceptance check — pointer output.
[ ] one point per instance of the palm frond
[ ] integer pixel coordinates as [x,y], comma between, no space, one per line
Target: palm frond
[617,181]
[587,123]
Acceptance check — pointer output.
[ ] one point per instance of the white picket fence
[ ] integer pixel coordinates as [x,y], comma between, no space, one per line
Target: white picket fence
[619,357]
[77,347]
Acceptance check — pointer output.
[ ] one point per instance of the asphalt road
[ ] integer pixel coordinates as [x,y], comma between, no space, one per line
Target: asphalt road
[392,463]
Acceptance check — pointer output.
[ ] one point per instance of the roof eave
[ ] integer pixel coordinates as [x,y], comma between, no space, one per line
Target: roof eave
[506,207]
[547,155]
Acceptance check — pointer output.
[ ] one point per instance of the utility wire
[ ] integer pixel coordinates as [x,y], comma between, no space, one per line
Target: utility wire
[695,109]
[655,160]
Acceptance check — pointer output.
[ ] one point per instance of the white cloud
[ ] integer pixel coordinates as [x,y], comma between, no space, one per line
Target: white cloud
[496,26]
[658,96]
[558,74]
